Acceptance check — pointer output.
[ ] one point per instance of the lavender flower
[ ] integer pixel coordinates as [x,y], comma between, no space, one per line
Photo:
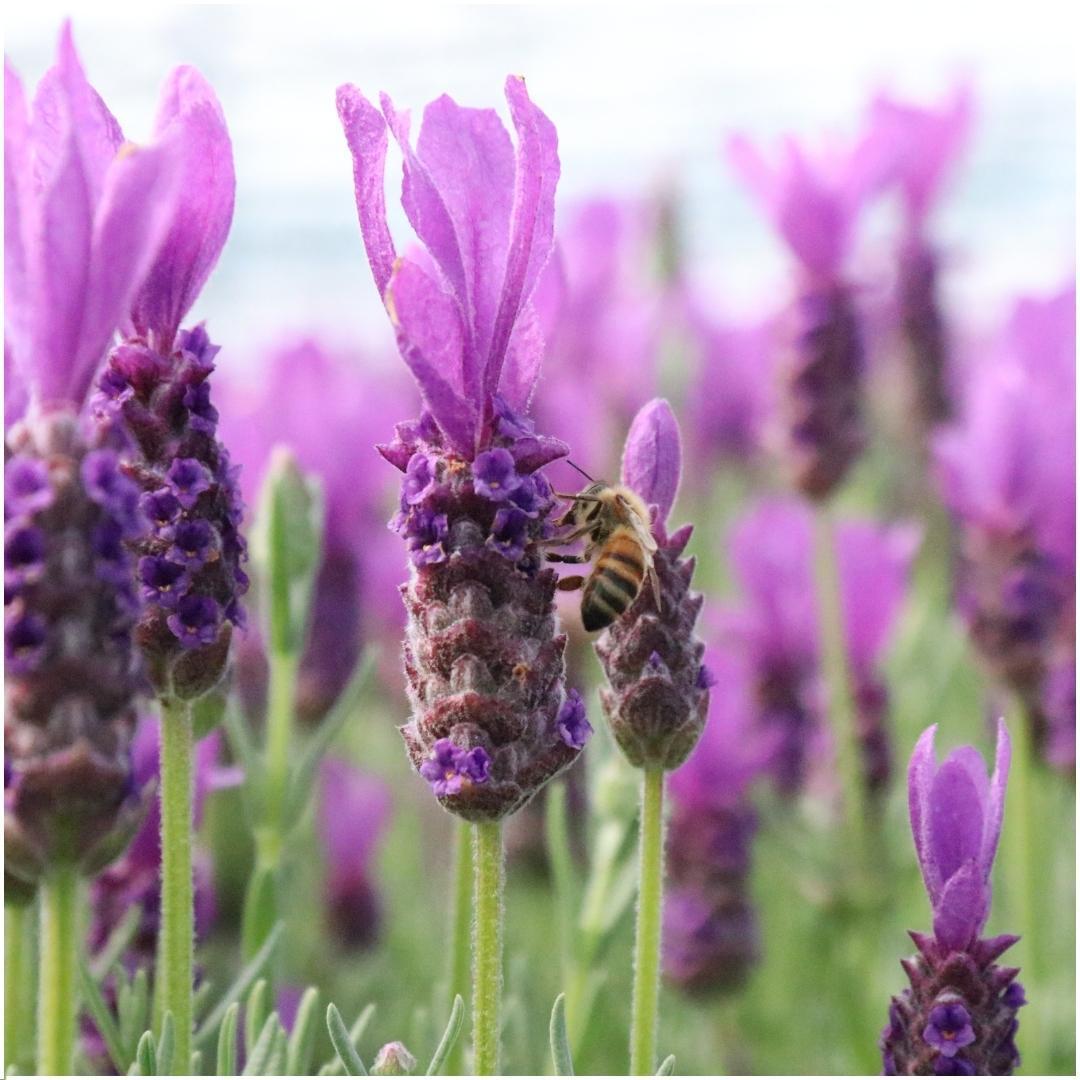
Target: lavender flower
[1007,470]
[926,143]
[711,938]
[657,696]
[777,629]
[154,398]
[814,207]
[393,1059]
[328,408]
[483,662]
[83,224]
[353,813]
[959,1015]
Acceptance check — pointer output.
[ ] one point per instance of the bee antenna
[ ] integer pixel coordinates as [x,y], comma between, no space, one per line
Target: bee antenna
[580,470]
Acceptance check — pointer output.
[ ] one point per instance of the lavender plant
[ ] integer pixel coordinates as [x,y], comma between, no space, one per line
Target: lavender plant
[84,221]
[484,664]
[959,1015]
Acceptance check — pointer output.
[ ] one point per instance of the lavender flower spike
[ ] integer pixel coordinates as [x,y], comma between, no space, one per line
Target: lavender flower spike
[83,222]
[959,1015]
[483,662]
[154,398]
[658,693]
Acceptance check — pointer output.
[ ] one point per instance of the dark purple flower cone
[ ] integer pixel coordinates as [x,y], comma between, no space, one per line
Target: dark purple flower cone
[822,390]
[189,558]
[72,674]
[483,662]
[960,1014]
[657,698]
[924,339]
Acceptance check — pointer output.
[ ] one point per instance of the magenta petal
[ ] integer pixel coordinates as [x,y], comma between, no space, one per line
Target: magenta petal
[353,812]
[652,459]
[17,200]
[365,132]
[532,223]
[523,359]
[470,161]
[961,910]
[956,816]
[431,342]
[996,799]
[190,114]
[135,211]
[920,781]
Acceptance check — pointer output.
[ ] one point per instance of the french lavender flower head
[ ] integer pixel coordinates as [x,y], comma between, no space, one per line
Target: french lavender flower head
[657,697]
[154,397]
[814,206]
[711,937]
[927,143]
[83,219]
[491,723]
[1007,471]
[776,629]
[959,1015]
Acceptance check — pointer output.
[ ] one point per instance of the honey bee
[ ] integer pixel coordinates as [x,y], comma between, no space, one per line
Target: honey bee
[619,544]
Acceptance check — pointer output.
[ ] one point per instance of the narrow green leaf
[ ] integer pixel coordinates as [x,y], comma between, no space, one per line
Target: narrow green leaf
[260,1051]
[356,1033]
[208,1028]
[260,909]
[135,1019]
[146,1056]
[103,1018]
[667,1066]
[256,1010]
[117,943]
[346,1053]
[302,1040]
[302,777]
[450,1036]
[279,1049]
[166,1044]
[560,1041]
[207,712]
[196,1063]
[201,998]
[562,870]
[226,1045]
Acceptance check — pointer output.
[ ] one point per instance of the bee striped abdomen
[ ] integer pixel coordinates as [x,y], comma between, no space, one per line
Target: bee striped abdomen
[614,582]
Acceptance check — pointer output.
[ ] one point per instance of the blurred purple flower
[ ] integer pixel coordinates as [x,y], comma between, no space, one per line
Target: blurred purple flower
[656,699]
[470,334]
[711,937]
[959,1015]
[1007,471]
[330,408]
[814,206]
[353,816]
[777,627]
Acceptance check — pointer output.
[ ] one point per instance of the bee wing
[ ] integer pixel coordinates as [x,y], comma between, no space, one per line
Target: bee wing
[645,538]
[654,581]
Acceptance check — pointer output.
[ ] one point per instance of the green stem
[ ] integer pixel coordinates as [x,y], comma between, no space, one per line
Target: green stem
[488,884]
[461,926]
[177,897]
[279,723]
[19,977]
[838,682]
[57,994]
[646,991]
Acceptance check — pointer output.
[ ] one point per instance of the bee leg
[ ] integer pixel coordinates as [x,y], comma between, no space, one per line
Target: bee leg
[569,538]
[556,557]
[571,583]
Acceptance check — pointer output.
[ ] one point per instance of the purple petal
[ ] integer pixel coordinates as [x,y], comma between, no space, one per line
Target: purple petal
[365,132]
[996,799]
[961,910]
[652,459]
[955,822]
[533,219]
[431,341]
[920,780]
[353,812]
[189,113]
[524,355]
[16,196]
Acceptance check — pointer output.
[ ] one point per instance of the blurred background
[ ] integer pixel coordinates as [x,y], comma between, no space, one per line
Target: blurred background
[644,104]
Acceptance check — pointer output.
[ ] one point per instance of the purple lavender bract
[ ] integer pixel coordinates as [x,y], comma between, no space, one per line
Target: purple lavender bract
[482,659]
[657,696]
[959,1015]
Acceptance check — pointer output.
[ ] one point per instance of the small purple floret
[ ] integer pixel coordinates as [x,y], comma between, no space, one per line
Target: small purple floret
[26,487]
[949,1029]
[419,479]
[189,478]
[195,621]
[161,507]
[450,767]
[573,723]
[163,581]
[509,532]
[426,533]
[194,543]
[495,474]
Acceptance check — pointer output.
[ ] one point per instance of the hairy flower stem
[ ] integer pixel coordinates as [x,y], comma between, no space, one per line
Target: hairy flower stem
[646,993]
[174,983]
[461,925]
[488,882]
[57,988]
[19,979]
[841,703]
